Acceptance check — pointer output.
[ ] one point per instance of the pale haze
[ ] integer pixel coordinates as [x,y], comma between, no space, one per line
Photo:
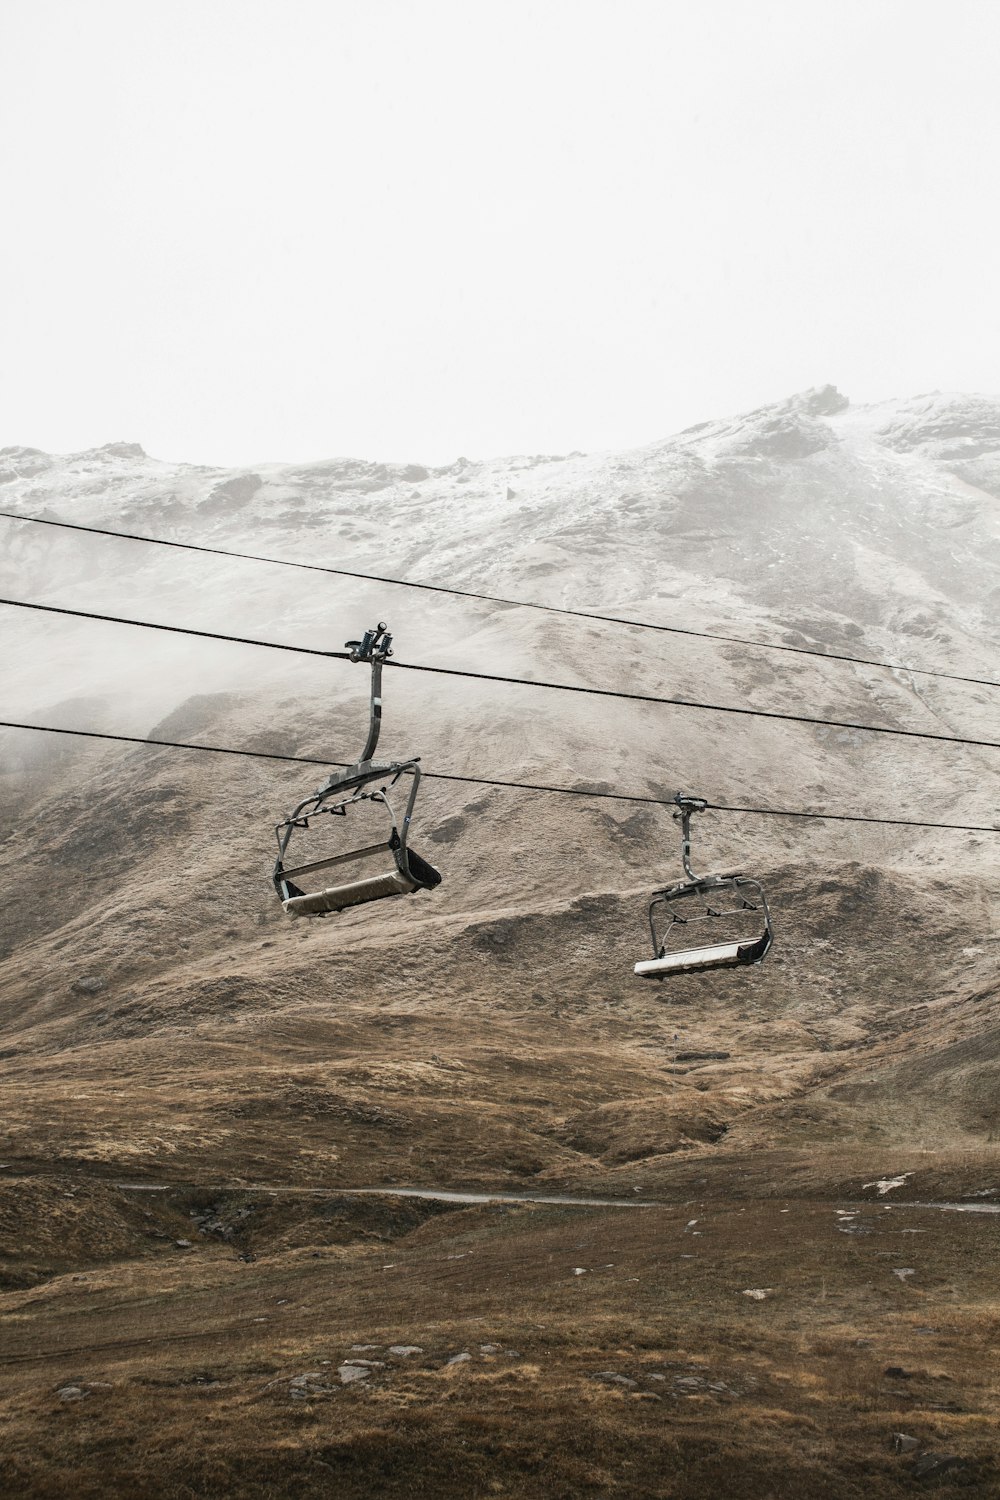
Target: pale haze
[238,232]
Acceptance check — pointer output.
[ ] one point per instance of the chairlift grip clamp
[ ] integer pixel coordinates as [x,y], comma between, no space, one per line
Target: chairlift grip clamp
[374,646]
[688,805]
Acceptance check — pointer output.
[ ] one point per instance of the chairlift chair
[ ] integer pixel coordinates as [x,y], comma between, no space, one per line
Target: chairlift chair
[389,786]
[739,930]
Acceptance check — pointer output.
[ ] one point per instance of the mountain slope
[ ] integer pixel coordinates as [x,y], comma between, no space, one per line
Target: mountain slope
[142,943]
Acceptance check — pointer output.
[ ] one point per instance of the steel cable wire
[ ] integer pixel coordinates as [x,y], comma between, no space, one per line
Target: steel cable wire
[438,588]
[562,687]
[591,793]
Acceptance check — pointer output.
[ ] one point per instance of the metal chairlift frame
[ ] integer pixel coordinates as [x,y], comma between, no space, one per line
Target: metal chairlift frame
[408,872]
[750,897]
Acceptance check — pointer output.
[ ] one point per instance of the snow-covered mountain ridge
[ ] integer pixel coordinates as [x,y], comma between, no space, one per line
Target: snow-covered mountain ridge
[806,513]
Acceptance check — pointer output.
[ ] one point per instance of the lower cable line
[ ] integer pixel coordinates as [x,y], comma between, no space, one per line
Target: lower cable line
[592,794]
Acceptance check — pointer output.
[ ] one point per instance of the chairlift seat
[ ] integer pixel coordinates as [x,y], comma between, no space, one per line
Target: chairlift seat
[355,893]
[419,875]
[363,782]
[733,905]
[714,956]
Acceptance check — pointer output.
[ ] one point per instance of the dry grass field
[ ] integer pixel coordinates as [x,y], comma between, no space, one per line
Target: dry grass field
[186,1277]
[501,1349]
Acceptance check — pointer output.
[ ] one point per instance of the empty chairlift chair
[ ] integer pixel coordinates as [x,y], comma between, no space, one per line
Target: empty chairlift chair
[353,873]
[707,921]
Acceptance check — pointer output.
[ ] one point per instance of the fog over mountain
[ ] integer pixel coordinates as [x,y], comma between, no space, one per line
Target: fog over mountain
[868,532]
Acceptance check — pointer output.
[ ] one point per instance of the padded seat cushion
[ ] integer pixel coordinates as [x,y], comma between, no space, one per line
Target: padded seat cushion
[717,956]
[355,893]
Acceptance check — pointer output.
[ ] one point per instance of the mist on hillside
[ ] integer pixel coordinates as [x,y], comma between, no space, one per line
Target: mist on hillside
[867,532]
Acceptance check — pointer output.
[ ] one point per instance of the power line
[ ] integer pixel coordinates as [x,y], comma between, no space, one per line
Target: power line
[562,687]
[552,609]
[521,786]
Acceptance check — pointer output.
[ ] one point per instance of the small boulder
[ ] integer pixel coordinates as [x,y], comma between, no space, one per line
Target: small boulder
[309,1385]
[611,1377]
[903,1443]
[930,1465]
[87,984]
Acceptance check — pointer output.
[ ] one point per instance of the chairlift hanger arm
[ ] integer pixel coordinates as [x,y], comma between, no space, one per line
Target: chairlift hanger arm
[375,646]
[685,807]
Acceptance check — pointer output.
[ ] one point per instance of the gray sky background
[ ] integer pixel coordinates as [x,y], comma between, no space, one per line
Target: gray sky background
[238,230]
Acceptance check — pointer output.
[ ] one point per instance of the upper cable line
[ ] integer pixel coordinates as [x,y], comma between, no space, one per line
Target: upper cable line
[541,684]
[553,609]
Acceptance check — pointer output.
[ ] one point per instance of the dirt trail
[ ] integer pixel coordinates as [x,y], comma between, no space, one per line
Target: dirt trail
[454,1195]
[443,1195]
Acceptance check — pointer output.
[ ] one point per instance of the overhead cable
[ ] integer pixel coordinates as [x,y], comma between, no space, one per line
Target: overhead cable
[561,687]
[205,635]
[588,793]
[719,708]
[552,609]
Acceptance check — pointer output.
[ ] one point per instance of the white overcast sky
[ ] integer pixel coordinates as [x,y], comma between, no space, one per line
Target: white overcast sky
[239,230]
